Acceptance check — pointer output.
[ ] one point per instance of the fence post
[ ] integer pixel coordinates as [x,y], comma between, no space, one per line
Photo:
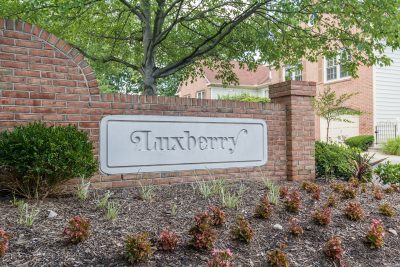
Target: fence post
[300,126]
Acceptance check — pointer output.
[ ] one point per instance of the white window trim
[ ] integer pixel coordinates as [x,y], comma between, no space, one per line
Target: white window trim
[202,93]
[337,72]
[292,73]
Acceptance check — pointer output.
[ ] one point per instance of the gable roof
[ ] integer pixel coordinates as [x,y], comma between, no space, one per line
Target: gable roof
[245,77]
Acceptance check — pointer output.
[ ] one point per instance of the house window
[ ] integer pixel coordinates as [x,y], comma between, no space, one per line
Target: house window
[187,96]
[200,94]
[293,73]
[334,69]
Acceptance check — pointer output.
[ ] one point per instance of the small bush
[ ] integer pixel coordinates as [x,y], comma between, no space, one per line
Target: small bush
[167,241]
[376,234]
[354,211]
[392,147]
[295,228]
[217,216]
[35,159]
[221,258]
[388,172]
[331,201]
[378,193]
[362,142]
[361,166]
[333,249]
[278,257]
[263,209]
[293,202]
[349,192]
[245,98]
[4,242]
[338,187]
[78,229]
[387,210]
[242,231]
[323,216]
[203,237]
[312,188]
[137,247]
[333,160]
[283,191]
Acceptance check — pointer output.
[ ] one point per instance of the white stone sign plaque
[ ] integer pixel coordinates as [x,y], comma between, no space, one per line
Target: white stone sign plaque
[134,144]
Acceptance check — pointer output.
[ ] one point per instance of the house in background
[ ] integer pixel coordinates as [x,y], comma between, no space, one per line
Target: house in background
[378,91]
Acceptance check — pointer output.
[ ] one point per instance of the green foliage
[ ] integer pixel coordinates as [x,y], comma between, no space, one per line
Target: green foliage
[332,108]
[362,166]
[137,247]
[362,142]
[230,200]
[392,147]
[27,217]
[103,202]
[78,229]
[353,211]
[112,210]
[333,160]
[147,192]
[82,192]
[278,257]
[245,98]
[36,159]
[165,37]
[387,210]
[388,172]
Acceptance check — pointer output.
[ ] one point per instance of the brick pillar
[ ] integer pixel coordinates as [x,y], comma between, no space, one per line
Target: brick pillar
[300,126]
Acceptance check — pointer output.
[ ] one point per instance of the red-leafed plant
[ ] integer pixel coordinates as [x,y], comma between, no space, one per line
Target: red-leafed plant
[323,216]
[333,249]
[167,241]
[378,193]
[283,191]
[221,258]
[137,247]
[242,231]
[278,257]
[295,228]
[331,201]
[263,209]
[293,202]
[312,188]
[78,229]
[217,216]
[376,234]
[349,192]
[203,236]
[354,211]
[387,210]
[4,241]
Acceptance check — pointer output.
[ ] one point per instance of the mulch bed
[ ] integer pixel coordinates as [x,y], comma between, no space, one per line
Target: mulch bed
[44,245]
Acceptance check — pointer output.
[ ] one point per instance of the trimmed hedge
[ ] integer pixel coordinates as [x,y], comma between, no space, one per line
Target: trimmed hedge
[35,159]
[362,142]
[245,98]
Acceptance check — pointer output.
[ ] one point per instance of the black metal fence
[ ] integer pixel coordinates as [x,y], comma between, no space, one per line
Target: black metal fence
[385,131]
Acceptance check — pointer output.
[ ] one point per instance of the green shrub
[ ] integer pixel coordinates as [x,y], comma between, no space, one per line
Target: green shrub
[35,159]
[388,172]
[245,98]
[333,160]
[362,142]
[392,146]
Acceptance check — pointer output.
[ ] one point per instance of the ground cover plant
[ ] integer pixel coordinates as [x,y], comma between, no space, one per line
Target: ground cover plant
[388,172]
[42,244]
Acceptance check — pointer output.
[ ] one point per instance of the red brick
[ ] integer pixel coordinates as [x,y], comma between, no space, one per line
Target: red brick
[17,35]
[30,44]
[28,117]
[14,64]
[42,96]
[27,73]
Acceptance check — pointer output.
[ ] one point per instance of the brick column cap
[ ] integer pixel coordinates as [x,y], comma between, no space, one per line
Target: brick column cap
[292,88]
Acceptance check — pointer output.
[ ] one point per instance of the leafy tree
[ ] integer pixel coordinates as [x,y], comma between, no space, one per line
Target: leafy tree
[154,39]
[332,108]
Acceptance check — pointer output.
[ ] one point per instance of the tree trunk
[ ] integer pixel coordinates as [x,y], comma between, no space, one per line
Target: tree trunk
[327,131]
[149,84]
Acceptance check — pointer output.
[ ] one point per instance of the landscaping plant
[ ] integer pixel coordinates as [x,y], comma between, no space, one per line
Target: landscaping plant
[392,147]
[312,188]
[323,216]
[203,236]
[283,191]
[137,247]
[273,194]
[362,166]
[221,258]
[146,192]
[338,187]
[167,241]
[278,257]
[293,202]
[103,202]
[78,229]
[263,209]
[333,249]
[362,142]
[242,231]
[27,217]
[230,200]
[82,191]
[389,173]
[217,216]
[349,192]
[387,210]
[4,242]
[376,234]
[331,201]
[378,193]
[36,159]
[112,210]
[354,211]
[245,98]
[294,227]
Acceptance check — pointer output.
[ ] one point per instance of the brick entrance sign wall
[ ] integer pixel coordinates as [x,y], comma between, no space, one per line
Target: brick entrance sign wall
[44,78]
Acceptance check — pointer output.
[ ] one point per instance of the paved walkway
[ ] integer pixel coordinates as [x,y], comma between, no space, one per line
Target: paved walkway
[391,158]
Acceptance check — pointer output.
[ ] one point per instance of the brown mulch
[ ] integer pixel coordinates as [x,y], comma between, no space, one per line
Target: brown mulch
[44,245]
